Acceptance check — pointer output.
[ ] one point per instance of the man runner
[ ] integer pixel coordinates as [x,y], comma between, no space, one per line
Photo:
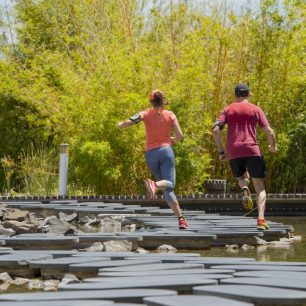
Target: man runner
[243,150]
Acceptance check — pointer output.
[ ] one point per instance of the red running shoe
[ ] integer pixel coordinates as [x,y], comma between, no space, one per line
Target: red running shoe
[151,188]
[183,224]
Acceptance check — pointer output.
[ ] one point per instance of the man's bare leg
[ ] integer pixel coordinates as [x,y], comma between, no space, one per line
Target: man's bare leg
[261,196]
[243,182]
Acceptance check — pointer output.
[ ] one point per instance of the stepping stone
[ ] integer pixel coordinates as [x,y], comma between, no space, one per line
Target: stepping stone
[152,267]
[54,253]
[190,242]
[18,264]
[63,303]
[212,262]
[193,300]
[166,272]
[180,284]
[280,274]
[91,269]
[239,267]
[287,283]
[48,242]
[144,278]
[259,295]
[56,268]
[122,295]
[112,255]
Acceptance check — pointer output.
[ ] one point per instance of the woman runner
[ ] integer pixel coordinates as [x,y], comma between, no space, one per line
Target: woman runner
[159,123]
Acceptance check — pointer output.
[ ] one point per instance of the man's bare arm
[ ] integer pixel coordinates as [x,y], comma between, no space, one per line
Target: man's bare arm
[218,141]
[271,138]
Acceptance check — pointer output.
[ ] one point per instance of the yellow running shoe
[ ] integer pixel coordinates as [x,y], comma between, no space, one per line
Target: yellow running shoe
[247,201]
[262,224]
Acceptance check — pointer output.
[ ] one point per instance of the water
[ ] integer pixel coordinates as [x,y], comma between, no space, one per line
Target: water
[297,252]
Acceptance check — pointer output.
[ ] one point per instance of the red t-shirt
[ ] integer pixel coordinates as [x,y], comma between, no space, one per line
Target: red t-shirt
[158,127]
[242,118]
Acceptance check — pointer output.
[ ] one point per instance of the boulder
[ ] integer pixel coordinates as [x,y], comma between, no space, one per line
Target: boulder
[118,246]
[141,251]
[59,227]
[95,247]
[109,225]
[35,284]
[20,281]
[247,247]
[165,248]
[5,278]
[69,279]
[35,220]
[16,214]
[20,227]
[68,217]
[51,285]
[7,231]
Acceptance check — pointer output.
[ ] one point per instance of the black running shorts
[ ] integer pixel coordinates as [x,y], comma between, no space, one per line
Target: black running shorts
[255,165]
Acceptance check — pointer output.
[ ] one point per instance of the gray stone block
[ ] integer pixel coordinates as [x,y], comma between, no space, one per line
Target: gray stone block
[152,267]
[165,272]
[122,295]
[97,265]
[193,300]
[259,295]
[173,283]
[287,283]
[239,267]
[62,303]
[280,274]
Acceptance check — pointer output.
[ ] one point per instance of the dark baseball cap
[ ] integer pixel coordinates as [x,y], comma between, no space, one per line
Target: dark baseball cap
[242,90]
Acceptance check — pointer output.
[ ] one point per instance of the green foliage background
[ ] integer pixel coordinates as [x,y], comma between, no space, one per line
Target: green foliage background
[77,67]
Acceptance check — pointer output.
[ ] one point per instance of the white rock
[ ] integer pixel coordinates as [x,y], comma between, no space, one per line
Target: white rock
[141,251]
[165,248]
[51,285]
[5,286]
[35,284]
[5,277]
[118,246]
[297,238]
[69,279]
[232,246]
[247,247]
[20,281]
[260,241]
[95,247]
[7,231]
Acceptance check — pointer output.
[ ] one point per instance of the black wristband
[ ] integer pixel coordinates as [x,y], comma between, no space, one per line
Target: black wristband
[221,153]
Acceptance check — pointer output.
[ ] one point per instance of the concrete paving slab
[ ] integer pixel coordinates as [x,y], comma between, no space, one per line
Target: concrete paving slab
[173,283]
[152,267]
[280,274]
[63,303]
[122,295]
[63,263]
[97,265]
[165,272]
[112,255]
[242,267]
[23,259]
[50,242]
[259,295]
[145,278]
[193,300]
[287,283]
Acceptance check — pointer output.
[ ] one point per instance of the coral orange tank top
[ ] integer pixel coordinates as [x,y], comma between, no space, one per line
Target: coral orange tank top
[158,124]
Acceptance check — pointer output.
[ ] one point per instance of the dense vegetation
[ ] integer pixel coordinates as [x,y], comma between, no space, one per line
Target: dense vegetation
[70,70]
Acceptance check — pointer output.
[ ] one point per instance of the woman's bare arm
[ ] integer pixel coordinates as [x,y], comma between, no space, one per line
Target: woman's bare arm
[178,132]
[129,122]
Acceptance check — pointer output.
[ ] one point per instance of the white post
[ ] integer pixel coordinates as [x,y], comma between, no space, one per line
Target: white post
[63,170]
